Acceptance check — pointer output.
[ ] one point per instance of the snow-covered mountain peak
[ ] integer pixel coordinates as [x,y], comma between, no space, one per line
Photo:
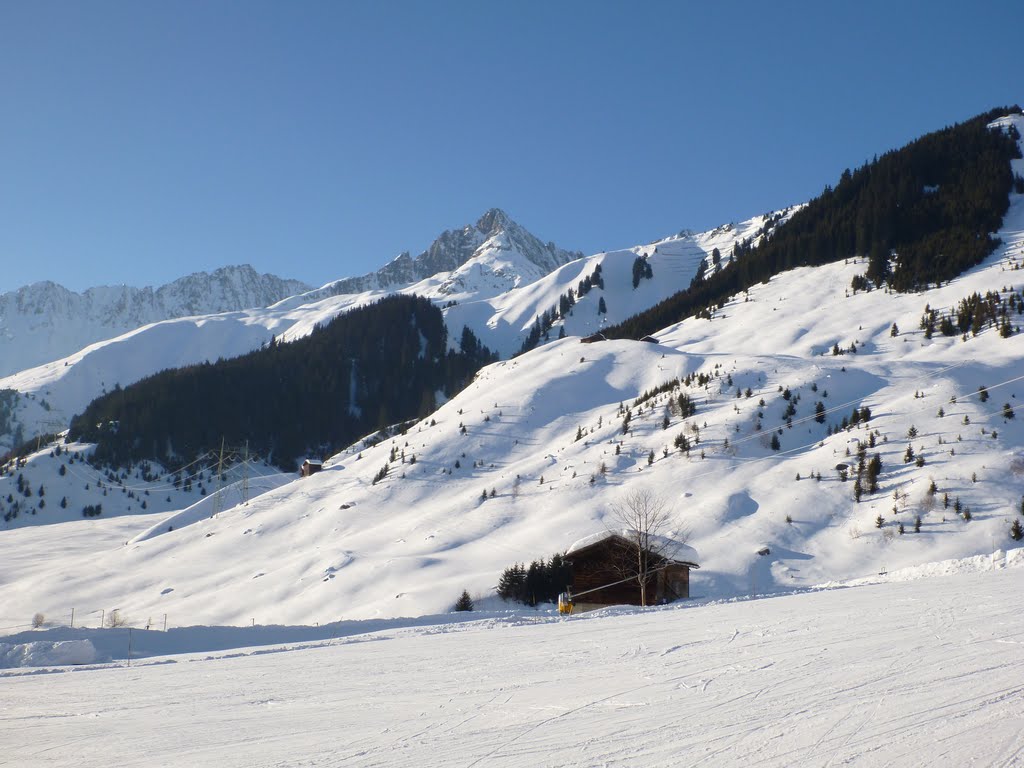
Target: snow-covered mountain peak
[461,261]
[494,221]
[45,321]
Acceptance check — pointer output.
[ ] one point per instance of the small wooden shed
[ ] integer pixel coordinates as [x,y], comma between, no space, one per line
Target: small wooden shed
[604,570]
[311,467]
[593,338]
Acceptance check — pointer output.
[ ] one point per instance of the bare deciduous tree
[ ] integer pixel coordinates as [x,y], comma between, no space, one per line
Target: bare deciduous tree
[644,519]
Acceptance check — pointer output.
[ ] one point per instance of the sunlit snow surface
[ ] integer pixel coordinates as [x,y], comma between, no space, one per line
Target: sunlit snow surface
[906,673]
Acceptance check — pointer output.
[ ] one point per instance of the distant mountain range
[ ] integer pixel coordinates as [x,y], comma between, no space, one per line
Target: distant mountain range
[45,321]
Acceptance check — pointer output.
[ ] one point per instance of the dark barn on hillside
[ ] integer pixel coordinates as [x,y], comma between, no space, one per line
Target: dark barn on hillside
[604,568]
[311,467]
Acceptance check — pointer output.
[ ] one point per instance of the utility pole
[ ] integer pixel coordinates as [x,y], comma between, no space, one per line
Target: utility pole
[245,475]
[218,500]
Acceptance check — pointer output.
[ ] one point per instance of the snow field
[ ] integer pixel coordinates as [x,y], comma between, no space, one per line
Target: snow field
[920,673]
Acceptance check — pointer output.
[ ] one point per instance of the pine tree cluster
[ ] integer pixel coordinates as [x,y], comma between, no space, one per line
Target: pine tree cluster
[921,215]
[542,582]
[312,396]
[543,323]
[975,313]
[641,270]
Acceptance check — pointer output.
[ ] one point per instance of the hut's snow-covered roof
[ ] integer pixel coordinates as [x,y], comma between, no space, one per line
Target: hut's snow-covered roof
[670,549]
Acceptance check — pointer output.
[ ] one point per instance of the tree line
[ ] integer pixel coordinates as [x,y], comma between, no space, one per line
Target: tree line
[921,215]
[365,369]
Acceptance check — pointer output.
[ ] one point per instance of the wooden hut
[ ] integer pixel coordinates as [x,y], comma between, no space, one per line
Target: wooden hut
[311,467]
[593,338]
[605,570]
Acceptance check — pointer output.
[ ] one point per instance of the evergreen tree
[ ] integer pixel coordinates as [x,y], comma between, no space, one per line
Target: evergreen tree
[512,584]
[465,602]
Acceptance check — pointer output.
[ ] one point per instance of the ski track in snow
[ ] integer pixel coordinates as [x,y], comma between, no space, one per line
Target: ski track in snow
[829,678]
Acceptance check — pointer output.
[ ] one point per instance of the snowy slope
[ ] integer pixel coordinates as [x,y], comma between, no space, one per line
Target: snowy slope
[921,673]
[45,321]
[57,485]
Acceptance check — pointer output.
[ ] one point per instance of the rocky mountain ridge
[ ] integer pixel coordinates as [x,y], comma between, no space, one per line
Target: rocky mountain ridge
[45,321]
[494,231]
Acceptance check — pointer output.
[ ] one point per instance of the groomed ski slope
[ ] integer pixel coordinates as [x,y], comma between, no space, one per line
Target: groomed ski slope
[907,673]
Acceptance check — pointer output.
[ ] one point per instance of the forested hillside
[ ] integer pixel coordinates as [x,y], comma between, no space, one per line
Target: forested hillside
[922,214]
[312,396]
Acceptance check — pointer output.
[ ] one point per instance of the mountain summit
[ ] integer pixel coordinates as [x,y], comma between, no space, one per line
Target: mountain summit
[455,249]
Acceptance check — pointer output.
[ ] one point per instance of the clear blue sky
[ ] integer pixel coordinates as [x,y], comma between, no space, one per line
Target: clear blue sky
[143,140]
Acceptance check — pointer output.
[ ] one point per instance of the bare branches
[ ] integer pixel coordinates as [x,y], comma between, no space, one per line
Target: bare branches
[644,519]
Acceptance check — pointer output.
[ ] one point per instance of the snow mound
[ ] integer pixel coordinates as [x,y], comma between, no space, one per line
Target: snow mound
[996,561]
[47,653]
